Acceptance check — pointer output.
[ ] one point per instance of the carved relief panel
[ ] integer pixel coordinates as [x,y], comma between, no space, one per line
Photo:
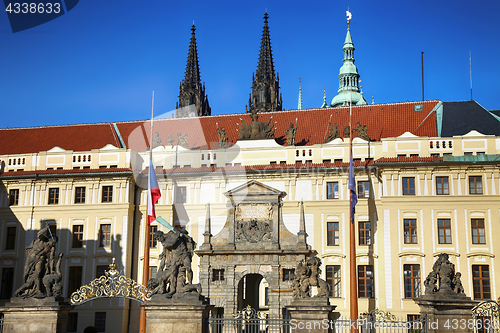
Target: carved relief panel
[253,222]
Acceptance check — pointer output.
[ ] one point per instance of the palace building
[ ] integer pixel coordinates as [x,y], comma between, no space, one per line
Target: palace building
[260,191]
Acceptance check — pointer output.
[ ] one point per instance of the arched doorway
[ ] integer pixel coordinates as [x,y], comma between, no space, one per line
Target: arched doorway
[253,291]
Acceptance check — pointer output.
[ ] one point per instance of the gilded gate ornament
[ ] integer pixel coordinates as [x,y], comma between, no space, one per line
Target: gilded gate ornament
[248,314]
[111,284]
[379,315]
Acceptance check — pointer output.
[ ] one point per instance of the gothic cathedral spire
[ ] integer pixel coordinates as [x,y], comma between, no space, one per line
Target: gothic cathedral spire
[192,99]
[265,96]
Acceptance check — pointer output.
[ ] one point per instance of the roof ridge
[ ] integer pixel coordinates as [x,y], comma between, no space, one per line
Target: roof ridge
[61,125]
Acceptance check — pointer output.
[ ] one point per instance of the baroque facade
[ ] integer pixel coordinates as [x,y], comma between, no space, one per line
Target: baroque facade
[419,195]
[427,174]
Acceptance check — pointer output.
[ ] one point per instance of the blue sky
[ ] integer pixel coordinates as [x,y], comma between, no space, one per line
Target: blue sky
[101,61]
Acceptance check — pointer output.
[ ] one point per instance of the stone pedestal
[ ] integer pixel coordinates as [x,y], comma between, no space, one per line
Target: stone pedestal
[447,311]
[32,315]
[311,315]
[177,315]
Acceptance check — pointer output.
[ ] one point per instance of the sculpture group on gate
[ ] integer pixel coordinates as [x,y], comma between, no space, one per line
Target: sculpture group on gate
[174,275]
[306,276]
[443,277]
[42,269]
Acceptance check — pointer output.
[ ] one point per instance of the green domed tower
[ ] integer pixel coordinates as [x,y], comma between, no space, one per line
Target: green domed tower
[348,77]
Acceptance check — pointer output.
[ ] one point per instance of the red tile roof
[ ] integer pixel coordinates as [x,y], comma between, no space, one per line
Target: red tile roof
[69,137]
[382,121]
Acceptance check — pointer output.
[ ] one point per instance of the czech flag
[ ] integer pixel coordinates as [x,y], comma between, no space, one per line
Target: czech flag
[352,188]
[154,193]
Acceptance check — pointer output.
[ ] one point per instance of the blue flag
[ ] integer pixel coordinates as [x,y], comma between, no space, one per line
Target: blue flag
[352,188]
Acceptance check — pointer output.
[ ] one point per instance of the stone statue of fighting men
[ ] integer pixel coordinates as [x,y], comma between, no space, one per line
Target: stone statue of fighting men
[42,274]
[174,275]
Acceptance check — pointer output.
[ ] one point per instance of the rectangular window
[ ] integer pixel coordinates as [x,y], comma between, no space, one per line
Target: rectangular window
[14,197]
[333,279]
[153,270]
[410,231]
[444,231]
[415,325]
[10,241]
[288,274]
[77,236]
[75,279]
[365,281]
[442,186]
[53,196]
[408,185]
[7,282]
[475,185]
[99,270]
[412,281]
[80,194]
[481,282]
[364,233]
[105,235]
[332,190]
[477,226]
[332,234]
[364,189]
[180,194]
[218,275]
[152,242]
[100,321]
[72,322]
[107,193]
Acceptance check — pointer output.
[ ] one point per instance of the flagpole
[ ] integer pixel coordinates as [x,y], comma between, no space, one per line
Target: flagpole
[352,229]
[145,266]
[352,234]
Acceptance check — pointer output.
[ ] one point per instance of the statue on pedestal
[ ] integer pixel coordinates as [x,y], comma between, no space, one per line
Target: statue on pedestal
[156,140]
[306,276]
[333,133]
[42,270]
[290,135]
[223,139]
[443,272]
[362,131]
[175,275]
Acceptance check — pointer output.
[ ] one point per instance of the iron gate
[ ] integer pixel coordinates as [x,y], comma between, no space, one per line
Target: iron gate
[486,317]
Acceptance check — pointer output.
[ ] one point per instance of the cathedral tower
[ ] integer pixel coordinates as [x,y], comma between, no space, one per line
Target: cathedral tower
[265,96]
[192,99]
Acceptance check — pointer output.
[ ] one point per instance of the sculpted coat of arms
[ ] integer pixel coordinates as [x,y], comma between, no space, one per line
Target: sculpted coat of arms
[253,222]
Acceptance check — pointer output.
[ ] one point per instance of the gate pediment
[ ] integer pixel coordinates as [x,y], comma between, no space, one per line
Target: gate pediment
[254,191]
[254,220]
